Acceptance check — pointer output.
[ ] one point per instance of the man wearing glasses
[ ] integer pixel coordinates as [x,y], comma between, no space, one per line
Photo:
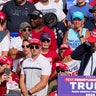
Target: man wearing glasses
[35,72]
[38,27]
[27,53]
[16,43]
[51,55]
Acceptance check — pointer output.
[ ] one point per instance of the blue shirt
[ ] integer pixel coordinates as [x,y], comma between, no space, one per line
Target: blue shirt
[74,38]
[84,9]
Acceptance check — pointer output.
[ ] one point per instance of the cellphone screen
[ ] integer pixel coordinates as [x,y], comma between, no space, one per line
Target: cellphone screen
[7,71]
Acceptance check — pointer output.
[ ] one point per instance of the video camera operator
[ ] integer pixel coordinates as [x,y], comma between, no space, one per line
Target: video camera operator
[86,52]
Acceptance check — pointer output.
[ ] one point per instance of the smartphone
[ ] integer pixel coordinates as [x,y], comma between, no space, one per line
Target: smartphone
[7,71]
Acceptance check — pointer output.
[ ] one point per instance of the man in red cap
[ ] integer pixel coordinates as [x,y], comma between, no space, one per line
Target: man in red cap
[6,75]
[87,54]
[35,72]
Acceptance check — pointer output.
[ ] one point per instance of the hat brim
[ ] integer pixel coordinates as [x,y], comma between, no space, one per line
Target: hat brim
[77,18]
[35,44]
[2,62]
[61,48]
[45,38]
[91,39]
[32,16]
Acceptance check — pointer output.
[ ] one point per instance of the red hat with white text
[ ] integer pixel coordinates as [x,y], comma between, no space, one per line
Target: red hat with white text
[6,60]
[35,41]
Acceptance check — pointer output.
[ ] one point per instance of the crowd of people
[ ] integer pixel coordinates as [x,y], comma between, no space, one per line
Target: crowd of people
[48,42]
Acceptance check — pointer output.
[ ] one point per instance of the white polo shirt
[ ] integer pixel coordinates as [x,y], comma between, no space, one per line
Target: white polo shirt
[33,71]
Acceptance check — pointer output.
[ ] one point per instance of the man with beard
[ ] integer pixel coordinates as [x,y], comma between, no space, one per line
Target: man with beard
[16,43]
[16,12]
[38,27]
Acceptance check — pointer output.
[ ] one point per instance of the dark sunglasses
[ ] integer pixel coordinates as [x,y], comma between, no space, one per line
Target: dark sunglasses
[43,40]
[60,70]
[1,64]
[34,18]
[27,46]
[27,30]
[34,46]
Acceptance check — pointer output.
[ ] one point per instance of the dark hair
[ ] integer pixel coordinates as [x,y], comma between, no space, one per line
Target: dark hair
[26,40]
[50,19]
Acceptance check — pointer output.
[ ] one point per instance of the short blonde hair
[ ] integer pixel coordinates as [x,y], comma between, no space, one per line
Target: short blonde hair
[67,59]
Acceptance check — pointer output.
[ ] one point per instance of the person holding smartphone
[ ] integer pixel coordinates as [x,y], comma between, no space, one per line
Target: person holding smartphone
[7,77]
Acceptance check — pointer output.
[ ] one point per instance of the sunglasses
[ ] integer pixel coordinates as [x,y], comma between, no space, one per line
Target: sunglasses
[1,64]
[34,46]
[34,18]
[27,46]
[27,30]
[60,70]
[43,40]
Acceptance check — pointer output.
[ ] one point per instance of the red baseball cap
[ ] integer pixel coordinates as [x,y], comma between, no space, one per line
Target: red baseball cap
[67,52]
[6,60]
[63,46]
[2,15]
[92,38]
[35,41]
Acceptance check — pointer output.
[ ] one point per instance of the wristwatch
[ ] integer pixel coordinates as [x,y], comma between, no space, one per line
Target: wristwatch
[29,93]
[81,36]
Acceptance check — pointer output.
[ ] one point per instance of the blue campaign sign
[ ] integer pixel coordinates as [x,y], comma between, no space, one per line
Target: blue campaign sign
[76,85]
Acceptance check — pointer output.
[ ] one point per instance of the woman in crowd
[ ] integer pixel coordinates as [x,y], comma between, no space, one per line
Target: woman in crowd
[78,34]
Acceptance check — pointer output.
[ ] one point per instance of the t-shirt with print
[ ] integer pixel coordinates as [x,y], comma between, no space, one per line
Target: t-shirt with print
[16,14]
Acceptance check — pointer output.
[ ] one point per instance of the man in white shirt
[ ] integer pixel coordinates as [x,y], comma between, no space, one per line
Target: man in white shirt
[35,72]
[46,6]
